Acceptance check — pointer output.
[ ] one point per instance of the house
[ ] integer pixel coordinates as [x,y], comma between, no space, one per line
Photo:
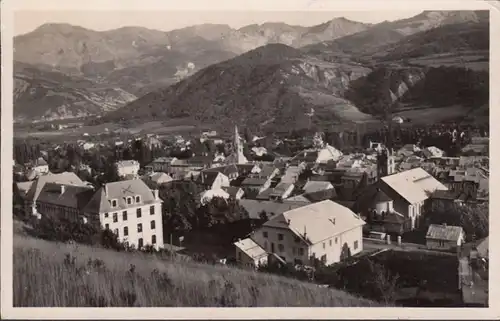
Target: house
[255,208]
[250,254]
[317,155]
[267,172]
[31,196]
[234,192]
[126,168]
[325,230]
[231,171]
[409,190]
[292,174]
[247,169]
[444,237]
[57,200]
[157,179]
[256,184]
[131,210]
[161,164]
[432,151]
[212,180]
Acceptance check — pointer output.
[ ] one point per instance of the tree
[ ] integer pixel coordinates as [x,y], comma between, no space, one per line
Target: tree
[345,253]
[383,283]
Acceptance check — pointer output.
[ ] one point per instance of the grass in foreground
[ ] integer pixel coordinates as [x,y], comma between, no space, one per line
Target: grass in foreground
[42,279]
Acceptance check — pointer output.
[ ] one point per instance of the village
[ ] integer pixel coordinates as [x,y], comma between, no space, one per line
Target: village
[312,207]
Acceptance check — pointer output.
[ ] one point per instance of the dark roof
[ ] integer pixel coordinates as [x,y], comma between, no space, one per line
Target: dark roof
[76,197]
[231,190]
[369,197]
[254,181]
[321,195]
[207,177]
[226,170]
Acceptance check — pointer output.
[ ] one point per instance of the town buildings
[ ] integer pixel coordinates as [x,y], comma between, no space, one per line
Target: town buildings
[127,168]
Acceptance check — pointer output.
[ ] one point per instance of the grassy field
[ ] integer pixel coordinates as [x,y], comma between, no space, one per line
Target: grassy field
[42,279]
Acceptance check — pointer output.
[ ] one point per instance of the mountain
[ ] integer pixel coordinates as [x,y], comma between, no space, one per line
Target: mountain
[47,95]
[369,41]
[274,85]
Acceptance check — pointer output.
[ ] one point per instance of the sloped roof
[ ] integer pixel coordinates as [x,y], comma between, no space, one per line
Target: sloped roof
[226,170]
[207,177]
[232,190]
[319,221]
[442,232]
[67,178]
[254,181]
[316,186]
[281,188]
[255,207]
[101,201]
[250,248]
[413,185]
[76,197]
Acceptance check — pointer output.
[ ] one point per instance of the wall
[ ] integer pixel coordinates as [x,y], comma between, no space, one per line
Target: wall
[132,221]
[247,261]
[290,247]
[332,247]
[434,244]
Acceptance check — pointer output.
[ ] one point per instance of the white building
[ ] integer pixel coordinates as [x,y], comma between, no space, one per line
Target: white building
[409,190]
[127,168]
[41,167]
[322,230]
[131,210]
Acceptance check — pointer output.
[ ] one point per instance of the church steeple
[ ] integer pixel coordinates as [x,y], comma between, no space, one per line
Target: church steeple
[238,148]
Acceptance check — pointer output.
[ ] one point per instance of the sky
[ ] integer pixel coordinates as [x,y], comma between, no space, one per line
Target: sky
[26,21]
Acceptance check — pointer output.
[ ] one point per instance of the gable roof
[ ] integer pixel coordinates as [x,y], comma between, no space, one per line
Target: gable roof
[316,186]
[318,221]
[119,191]
[281,188]
[207,177]
[75,197]
[250,248]
[442,232]
[414,185]
[232,190]
[226,170]
[66,178]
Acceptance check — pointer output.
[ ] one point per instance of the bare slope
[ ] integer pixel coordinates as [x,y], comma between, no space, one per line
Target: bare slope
[42,280]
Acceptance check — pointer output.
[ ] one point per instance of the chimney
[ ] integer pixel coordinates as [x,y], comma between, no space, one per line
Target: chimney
[156,194]
[62,189]
[305,232]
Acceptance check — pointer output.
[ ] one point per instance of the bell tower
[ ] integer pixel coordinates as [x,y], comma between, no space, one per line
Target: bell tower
[386,164]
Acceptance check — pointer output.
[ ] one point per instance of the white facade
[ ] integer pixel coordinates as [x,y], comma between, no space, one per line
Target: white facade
[41,169]
[135,223]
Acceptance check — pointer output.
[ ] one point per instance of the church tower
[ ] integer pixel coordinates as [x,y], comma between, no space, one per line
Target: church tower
[238,148]
[386,164]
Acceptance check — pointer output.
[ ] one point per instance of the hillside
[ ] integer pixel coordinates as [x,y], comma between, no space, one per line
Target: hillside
[273,85]
[42,280]
[52,95]
[369,41]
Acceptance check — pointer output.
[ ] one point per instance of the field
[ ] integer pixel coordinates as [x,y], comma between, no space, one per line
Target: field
[152,127]
[41,279]
[475,60]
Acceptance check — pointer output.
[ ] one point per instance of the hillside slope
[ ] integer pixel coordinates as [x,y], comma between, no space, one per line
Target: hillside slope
[274,85]
[53,95]
[42,280]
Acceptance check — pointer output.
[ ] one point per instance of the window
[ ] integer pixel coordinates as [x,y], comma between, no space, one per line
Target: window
[153,239]
[330,242]
[137,199]
[114,203]
[239,256]
[323,258]
[280,237]
[139,212]
[265,234]
[129,200]
[117,232]
[139,227]
[336,240]
[153,225]
[152,210]
[124,215]
[297,239]
[281,248]
[125,231]
[355,245]
[301,251]
[106,226]
[115,217]
[106,215]
[324,245]
[141,243]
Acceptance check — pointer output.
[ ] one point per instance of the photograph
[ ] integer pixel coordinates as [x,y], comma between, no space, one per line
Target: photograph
[247,158]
